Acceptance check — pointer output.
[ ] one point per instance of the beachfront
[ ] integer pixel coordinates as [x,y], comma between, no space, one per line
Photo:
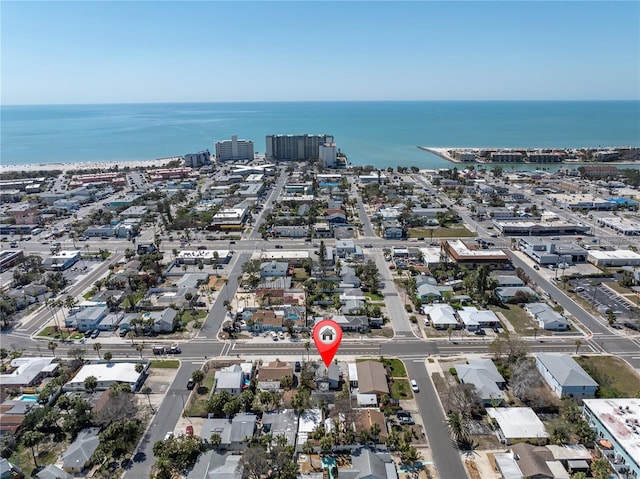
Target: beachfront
[88,165]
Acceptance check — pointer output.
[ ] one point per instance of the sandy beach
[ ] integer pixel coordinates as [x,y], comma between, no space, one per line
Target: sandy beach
[100,165]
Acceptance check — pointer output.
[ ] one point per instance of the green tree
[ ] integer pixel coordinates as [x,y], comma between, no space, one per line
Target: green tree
[146,390]
[32,440]
[97,347]
[458,428]
[90,383]
[52,347]
[108,356]
[197,376]
[215,440]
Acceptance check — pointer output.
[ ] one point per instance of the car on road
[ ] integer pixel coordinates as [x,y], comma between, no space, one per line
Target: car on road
[414,386]
[174,349]
[202,247]
[536,267]
[368,245]
[168,435]
[191,384]
[278,246]
[13,244]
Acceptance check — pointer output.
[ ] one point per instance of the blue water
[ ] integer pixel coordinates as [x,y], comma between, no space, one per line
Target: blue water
[29,397]
[378,133]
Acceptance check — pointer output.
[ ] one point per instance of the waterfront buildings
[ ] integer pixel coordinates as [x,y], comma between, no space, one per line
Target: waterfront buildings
[234,150]
[196,160]
[295,147]
[328,154]
[617,426]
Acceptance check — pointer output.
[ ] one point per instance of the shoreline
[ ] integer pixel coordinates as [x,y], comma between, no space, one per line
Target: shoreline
[88,165]
[443,153]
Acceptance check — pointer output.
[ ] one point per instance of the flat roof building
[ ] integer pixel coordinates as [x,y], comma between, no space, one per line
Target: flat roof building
[295,147]
[620,257]
[619,224]
[518,424]
[234,149]
[462,254]
[617,426]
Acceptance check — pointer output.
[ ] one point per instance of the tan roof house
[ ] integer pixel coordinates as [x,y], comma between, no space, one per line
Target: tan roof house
[372,378]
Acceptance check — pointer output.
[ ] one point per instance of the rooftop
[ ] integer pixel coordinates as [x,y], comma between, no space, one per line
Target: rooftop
[518,422]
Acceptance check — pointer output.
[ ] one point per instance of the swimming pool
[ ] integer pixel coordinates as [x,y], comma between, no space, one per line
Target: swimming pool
[28,397]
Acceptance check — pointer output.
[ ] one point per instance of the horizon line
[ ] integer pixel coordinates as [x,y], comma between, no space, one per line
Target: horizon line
[326,101]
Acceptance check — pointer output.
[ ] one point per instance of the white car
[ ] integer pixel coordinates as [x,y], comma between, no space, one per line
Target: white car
[281,335]
[168,435]
[414,386]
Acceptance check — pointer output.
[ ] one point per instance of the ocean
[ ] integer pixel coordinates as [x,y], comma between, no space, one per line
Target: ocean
[378,133]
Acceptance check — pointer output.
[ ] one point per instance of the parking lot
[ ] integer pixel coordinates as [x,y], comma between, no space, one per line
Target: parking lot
[602,298]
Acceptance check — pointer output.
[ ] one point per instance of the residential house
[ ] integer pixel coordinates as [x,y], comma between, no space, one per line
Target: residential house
[546,317]
[508,281]
[328,378]
[440,316]
[233,432]
[365,418]
[77,457]
[353,324]
[164,321]
[265,320]
[53,472]
[158,299]
[518,424]
[508,293]
[270,375]
[344,248]
[283,422]
[484,375]
[565,376]
[274,269]
[429,292]
[368,464]
[372,378]
[309,420]
[86,319]
[473,319]
[108,373]
[230,379]
[27,372]
[392,230]
[335,216]
[290,231]
[216,465]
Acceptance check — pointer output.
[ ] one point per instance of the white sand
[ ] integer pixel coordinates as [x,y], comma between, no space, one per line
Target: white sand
[99,165]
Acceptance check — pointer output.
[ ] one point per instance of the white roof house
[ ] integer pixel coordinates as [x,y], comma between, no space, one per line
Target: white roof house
[472,318]
[546,317]
[518,424]
[107,374]
[441,316]
[309,420]
[230,379]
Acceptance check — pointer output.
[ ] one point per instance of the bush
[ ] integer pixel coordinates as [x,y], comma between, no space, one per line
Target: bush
[453,371]
[413,319]
[408,308]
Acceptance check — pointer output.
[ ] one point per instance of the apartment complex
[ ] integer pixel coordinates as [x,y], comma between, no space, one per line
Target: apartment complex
[295,147]
[234,149]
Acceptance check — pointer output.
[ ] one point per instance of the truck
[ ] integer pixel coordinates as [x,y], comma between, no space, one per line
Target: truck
[159,350]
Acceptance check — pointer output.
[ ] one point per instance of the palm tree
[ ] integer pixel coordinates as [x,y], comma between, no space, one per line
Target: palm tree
[147,390]
[197,376]
[108,356]
[458,427]
[97,347]
[307,346]
[578,343]
[91,383]
[140,348]
[52,347]
[32,439]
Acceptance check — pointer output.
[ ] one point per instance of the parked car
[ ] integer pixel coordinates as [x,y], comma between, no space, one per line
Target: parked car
[189,430]
[579,289]
[168,435]
[414,386]
[297,367]
[535,266]
[480,332]
[95,334]
[280,335]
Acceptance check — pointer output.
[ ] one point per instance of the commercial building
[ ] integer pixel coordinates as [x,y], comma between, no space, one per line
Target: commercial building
[295,147]
[539,228]
[619,224]
[473,257]
[10,258]
[582,201]
[544,252]
[234,150]
[62,260]
[620,257]
[617,426]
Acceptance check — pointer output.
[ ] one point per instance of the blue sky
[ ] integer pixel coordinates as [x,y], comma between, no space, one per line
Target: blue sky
[124,52]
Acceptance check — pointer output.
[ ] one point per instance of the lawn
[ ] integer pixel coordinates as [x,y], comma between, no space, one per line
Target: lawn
[165,363]
[188,316]
[400,389]
[440,232]
[300,274]
[47,452]
[624,378]
[519,319]
[396,366]
[374,296]
[199,404]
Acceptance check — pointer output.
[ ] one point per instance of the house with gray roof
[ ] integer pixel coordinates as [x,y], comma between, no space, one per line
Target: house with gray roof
[216,465]
[509,292]
[546,317]
[163,321]
[429,292]
[230,379]
[53,472]
[565,376]
[328,378]
[508,281]
[233,433]
[484,375]
[27,372]
[274,269]
[367,464]
[85,319]
[78,455]
[281,423]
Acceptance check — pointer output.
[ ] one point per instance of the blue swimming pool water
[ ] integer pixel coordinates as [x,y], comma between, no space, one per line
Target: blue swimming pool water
[28,397]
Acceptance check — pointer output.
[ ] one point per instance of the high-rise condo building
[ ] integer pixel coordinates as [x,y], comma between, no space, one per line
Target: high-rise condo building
[234,149]
[329,155]
[295,147]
